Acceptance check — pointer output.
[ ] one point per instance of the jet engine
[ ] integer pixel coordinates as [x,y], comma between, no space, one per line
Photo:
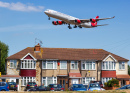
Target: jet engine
[77,21]
[54,22]
[93,22]
[59,22]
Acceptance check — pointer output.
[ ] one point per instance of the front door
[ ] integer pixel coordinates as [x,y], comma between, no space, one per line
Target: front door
[75,81]
[63,80]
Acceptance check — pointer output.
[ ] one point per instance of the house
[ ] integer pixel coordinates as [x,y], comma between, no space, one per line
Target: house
[65,66]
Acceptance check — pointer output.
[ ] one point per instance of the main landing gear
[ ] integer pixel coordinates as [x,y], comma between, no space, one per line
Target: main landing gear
[75,26]
[69,27]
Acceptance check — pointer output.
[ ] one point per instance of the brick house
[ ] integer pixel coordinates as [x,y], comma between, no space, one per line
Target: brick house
[65,66]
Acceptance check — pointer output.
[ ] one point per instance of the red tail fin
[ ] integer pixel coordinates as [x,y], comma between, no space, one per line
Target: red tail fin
[97,17]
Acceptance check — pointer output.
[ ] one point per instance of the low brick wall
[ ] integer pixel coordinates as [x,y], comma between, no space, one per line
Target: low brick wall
[110,88]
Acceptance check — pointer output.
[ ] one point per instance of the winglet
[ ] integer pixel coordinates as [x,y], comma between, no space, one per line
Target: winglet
[113,17]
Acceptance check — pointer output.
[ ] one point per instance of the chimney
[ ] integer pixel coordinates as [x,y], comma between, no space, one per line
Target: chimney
[37,48]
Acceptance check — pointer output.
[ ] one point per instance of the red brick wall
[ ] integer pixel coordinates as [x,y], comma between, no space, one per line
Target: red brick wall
[108,73]
[28,72]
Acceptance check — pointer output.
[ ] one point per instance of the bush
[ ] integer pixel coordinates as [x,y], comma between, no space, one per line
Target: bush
[113,83]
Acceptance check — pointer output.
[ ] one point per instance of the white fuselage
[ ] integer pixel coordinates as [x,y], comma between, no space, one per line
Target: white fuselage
[66,18]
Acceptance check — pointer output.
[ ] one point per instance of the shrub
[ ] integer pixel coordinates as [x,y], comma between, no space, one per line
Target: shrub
[113,83]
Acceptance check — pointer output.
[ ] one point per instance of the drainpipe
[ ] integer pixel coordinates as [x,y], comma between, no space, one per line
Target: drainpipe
[97,70]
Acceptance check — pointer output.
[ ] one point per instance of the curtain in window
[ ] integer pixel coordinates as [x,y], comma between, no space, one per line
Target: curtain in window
[44,65]
[49,80]
[76,64]
[90,65]
[63,64]
[50,65]
[87,65]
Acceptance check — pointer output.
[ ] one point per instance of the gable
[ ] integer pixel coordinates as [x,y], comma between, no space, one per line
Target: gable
[28,57]
[110,58]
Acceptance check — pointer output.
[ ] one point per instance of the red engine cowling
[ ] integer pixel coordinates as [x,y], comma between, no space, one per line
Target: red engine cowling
[77,21]
[54,22]
[60,22]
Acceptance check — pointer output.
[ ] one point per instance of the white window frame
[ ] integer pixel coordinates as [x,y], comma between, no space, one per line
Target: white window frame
[28,61]
[107,64]
[121,64]
[85,62]
[106,79]
[74,64]
[65,65]
[49,62]
[13,62]
[54,78]
[86,83]
[26,79]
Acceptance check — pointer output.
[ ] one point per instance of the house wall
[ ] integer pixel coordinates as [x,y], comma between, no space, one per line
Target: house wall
[38,72]
[122,72]
[13,71]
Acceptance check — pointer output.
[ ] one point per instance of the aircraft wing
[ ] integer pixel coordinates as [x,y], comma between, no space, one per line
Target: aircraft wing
[88,20]
[104,18]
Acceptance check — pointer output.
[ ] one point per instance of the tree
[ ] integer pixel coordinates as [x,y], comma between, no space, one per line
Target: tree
[128,69]
[3,55]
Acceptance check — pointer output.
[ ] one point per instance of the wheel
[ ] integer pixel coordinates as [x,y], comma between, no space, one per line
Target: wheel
[69,27]
[3,90]
[75,26]
[49,18]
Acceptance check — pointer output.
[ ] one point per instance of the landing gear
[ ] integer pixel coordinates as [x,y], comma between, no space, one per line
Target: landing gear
[80,26]
[49,18]
[75,26]
[69,27]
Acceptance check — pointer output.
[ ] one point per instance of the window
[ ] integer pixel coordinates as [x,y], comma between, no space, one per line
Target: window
[121,65]
[13,63]
[88,65]
[63,64]
[74,65]
[25,80]
[86,80]
[49,65]
[106,80]
[28,64]
[49,80]
[108,65]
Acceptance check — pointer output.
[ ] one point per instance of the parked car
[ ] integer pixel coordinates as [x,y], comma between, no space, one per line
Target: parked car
[86,86]
[77,87]
[30,85]
[99,82]
[40,88]
[94,87]
[12,86]
[4,86]
[124,87]
[55,87]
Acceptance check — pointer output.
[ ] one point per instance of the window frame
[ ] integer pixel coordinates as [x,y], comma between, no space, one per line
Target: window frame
[26,79]
[108,65]
[85,78]
[74,65]
[13,61]
[28,61]
[106,79]
[121,63]
[88,62]
[61,63]
[46,78]
[47,61]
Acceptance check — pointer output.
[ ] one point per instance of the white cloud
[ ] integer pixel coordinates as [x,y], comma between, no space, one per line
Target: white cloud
[21,7]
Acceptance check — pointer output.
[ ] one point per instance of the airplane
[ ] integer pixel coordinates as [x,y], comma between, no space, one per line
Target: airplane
[67,19]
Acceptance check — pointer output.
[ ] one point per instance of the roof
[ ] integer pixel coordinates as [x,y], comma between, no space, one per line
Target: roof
[74,75]
[10,76]
[122,76]
[66,54]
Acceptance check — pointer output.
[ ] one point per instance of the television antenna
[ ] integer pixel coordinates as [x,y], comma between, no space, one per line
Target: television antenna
[38,41]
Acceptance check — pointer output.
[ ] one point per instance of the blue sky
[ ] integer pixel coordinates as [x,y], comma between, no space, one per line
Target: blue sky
[21,21]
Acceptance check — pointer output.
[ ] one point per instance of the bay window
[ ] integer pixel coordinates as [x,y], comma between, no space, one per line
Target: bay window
[63,64]
[28,64]
[13,63]
[106,79]
[88,65]
[121,65]
[74,64]
[25,80]
[49,65]
[49,80]
[108,65]
[86,80]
